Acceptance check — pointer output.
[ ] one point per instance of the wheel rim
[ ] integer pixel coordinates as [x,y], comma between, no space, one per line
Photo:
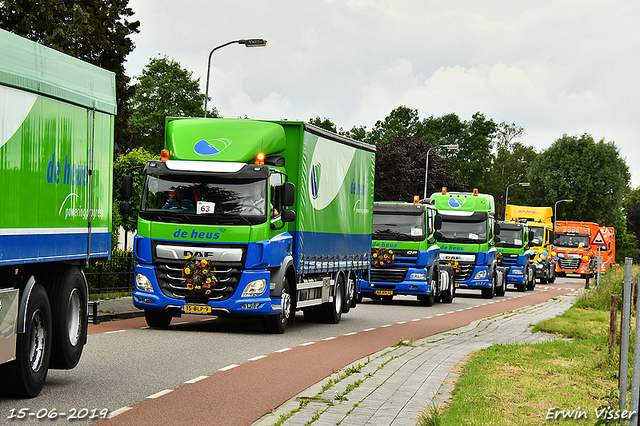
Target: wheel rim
[286,305]
[74,315]
[37,341]
[337,305]
[350,289]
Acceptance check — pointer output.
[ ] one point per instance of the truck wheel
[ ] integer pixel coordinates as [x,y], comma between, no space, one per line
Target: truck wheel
[447,296]
[427,299]
[349,293]
[500,290]
[69,317]
[488,293]
[531,283]
[24,377]
[277,324]
[332,311]
[157,319]
[521,287]
[552,274]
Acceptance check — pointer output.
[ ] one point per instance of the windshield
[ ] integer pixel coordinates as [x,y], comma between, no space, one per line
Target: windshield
[565,240]
[510,238]
[399,227]
[201,201]
[537,235]
[462,232]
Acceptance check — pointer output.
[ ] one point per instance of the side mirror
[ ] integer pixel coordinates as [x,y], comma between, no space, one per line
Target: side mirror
[288,215]
[288,195]
[125,208]
[438,222]
[552,237]
[127,187]
[496,229]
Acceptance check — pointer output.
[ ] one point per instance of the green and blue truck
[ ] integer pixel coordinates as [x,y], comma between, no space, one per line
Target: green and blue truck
[513,255]
[56,165]
[467,240]
[280,213]
[405,234]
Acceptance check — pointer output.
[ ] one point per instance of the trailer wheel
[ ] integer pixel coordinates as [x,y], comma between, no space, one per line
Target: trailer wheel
[349,293]
[24,377]
[69,317]
[332,311]
[277,324]
[157,319]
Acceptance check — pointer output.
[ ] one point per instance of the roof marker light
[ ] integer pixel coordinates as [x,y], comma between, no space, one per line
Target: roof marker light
[416,199]
[444,190]
[164,155]
[260,159]
[475,191]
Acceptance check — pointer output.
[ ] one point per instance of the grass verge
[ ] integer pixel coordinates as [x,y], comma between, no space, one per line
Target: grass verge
[567,380]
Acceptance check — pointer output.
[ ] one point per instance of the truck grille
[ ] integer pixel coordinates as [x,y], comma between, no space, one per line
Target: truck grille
[169,275]
[570,264]
[389,275]
[466,269]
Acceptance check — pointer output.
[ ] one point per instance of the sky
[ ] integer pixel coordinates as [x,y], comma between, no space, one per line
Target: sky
[551,67]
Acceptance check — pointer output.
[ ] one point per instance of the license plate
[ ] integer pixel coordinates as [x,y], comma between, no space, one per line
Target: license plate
[457,285]
[384,292]
[196,309]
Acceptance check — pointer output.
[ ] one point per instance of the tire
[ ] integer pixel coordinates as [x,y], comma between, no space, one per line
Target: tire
[488,293]
[277,324]
[499,290]
[24,377]
[521,287]
[157,319]
[552,274]
[531,283]
[69,317]
[427,299]
[448,295]
[349,293]
[332,312]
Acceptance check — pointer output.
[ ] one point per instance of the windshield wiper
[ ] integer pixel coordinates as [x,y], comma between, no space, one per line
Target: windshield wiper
[400,235]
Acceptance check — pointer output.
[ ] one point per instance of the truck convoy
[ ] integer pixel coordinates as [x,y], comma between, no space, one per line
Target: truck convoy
[253,218]
[56,145]
[572,246]
[404,233]
[514,254]
[540,222]
[467,240]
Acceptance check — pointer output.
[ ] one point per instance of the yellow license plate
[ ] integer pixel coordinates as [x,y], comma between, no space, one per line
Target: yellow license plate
[384,292]
[196,309]
[457,285]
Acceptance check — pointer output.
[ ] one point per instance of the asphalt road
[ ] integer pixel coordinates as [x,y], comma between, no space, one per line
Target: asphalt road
[124,363]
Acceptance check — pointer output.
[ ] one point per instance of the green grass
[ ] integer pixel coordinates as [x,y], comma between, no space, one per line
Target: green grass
[519,384]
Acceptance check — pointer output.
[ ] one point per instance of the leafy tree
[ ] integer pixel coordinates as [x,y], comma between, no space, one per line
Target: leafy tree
[632,210]
[402,122]
[590,173]
[164,89]
[128,164]
[400,170]
[96,31]
[325,124]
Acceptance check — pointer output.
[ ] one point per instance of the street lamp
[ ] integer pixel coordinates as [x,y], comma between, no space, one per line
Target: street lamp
[251,42]
[426,167]
[506,198]
[555,208]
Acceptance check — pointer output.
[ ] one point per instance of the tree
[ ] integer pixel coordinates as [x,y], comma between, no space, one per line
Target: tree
[400,170]
[402,122]
[128,164]
[590,173]
[164,89]
[95,31]
[324,124]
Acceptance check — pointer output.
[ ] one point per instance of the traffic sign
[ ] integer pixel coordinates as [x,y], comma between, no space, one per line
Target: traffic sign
[598,240]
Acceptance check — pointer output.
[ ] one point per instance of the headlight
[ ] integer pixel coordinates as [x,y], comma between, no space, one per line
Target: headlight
[481,275]
[418,277]
[255,288]
[143,283]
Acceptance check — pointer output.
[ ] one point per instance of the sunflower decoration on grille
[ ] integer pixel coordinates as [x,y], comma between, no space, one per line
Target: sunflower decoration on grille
[382,256]
[499,257]
[198,275]
[455,264]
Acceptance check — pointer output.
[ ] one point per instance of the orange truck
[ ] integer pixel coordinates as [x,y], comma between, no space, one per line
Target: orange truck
[603,244]
[540,223]
[572,247]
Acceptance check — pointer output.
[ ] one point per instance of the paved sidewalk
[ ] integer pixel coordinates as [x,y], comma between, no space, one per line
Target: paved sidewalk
[392,387]
[118,308]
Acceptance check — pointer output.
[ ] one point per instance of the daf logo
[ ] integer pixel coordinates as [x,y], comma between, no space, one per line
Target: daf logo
[410,252]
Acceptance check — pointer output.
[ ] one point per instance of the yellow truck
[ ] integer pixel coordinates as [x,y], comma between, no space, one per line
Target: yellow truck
[540,223]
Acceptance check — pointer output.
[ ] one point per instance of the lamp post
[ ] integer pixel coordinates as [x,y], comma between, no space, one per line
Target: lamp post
[506,197]
[251,42]
[555,208]
[426,167]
